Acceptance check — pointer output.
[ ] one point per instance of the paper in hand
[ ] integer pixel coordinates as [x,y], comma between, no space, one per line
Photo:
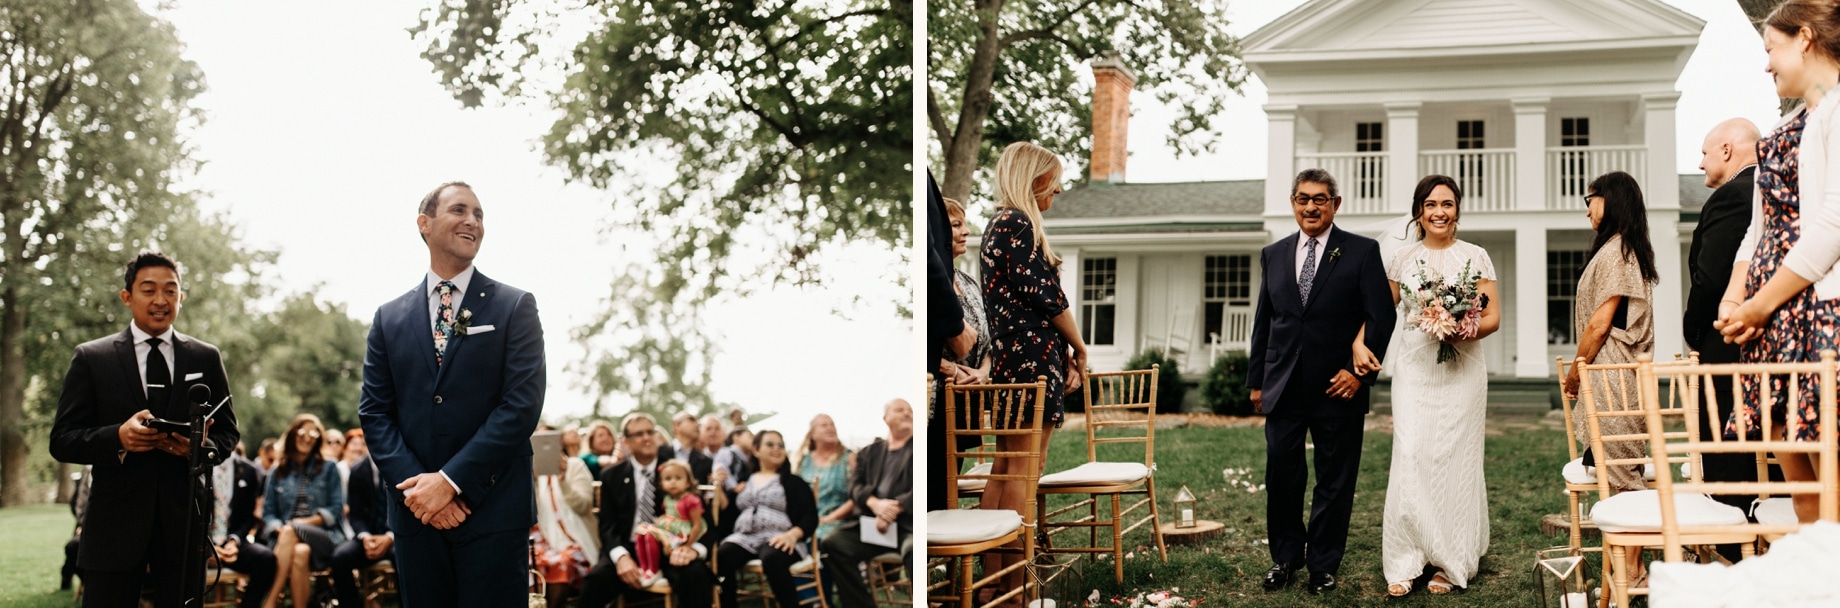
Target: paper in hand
[889,539]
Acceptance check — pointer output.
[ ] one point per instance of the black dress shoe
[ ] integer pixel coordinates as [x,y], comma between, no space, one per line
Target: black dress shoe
[1278,577]
[1320,582]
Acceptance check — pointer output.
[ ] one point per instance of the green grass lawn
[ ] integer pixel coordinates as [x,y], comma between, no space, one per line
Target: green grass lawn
[31,552]
[1522,462]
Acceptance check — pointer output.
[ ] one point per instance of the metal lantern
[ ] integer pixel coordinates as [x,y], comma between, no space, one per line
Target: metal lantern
[1559,576]
[1185,508]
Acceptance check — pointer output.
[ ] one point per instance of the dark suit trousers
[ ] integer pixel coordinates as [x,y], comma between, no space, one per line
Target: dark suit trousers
[347,557]
[693,584]
[460,568]
[164,554]
[258,563]
[1337,458]
[776,564]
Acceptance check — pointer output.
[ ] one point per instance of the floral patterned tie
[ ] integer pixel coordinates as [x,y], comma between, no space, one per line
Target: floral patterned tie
[444,319]
[1304,282]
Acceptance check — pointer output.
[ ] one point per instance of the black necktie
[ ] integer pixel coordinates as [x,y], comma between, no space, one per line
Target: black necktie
[159,377]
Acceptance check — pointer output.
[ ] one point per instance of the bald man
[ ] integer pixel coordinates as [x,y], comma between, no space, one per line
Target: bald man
[882,487]
[1729,158]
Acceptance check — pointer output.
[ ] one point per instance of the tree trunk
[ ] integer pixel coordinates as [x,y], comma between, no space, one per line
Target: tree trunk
[13,450]
[962,156]
[65,487]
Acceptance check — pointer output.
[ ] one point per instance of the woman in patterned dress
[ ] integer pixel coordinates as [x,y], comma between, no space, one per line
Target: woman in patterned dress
[776,518]
[975,367]
[1784,292]
[1033,333]
[1613,317]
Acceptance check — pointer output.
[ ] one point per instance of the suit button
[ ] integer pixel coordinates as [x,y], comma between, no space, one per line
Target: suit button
[491,480]
[437,399]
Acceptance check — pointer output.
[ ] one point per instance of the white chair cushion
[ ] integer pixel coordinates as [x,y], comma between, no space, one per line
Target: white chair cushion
[962,526]
[975,485]
[1776,512]
[1577,474]
[1640,511]
[1098,473]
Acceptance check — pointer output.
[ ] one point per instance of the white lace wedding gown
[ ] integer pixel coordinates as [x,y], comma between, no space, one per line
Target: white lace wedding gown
[1437,508]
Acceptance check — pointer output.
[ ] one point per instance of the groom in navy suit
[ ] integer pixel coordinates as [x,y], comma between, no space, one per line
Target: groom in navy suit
[1320,286]
[453,386]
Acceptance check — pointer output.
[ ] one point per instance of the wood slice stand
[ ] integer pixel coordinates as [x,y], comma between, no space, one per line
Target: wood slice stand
[1204,530]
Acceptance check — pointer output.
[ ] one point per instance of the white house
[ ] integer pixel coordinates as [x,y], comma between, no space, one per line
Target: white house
[1523,101]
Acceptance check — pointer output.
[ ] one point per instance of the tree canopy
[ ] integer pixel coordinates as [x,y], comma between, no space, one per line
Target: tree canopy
[786,128]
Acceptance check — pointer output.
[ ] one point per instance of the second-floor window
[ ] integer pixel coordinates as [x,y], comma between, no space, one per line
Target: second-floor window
[1562,271]
[1573,133]
[1469,166]
[1367,138]
[1098,299]
[1227,293]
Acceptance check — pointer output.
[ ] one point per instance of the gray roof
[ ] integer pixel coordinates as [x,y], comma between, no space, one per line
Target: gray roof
[1107,200]
[1229,198]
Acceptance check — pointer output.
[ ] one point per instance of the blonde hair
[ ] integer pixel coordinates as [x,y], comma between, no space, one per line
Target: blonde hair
[953,207]
[1017,169]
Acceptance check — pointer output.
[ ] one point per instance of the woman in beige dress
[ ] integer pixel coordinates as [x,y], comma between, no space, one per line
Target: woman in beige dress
[1612,315]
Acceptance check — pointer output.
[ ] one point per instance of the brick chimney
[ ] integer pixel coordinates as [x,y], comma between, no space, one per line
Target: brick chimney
[1111,104]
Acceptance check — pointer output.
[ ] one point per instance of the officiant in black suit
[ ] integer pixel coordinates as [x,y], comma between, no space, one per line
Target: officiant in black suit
[137,505]
[1319,287]
[1729,158]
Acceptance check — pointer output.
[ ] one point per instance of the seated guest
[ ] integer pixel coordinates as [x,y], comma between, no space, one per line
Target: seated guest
[601,445]
[372,540]
[631,495]
[232,519]
[246,497]
[683,430]
[737,419]
[300,511]
[825,464]
[736,460]
[777,516]
[710,433]
[355,450]
[265,454]
[571,441]
[883,488]
[700,465]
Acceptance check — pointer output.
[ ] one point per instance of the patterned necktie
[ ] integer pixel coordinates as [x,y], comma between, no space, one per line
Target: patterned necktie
[159,378]
[444,320]
[1309,271]
[644,505]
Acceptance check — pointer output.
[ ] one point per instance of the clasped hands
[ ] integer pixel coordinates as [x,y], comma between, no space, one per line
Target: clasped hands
[885,510]
[433,501]
[136,436]
[1741,322]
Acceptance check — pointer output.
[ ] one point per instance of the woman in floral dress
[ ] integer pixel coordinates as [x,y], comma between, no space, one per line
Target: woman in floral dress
[1784,294]
[1033,333]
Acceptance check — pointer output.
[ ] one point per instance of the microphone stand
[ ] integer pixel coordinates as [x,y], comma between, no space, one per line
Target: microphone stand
[198,479]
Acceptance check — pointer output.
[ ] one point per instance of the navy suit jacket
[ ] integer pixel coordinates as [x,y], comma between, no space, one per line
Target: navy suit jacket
[470,417]
[132,495]
[1296,348]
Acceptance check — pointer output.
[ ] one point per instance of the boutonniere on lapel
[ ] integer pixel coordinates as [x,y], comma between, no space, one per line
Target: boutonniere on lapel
[1335,253]
[463,322]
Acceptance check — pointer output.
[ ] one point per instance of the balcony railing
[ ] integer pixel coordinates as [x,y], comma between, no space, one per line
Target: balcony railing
[1486,175]
[1570,169]
[1360,175]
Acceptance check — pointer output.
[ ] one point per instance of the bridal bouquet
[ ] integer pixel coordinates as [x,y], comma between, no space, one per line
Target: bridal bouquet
[1448,310]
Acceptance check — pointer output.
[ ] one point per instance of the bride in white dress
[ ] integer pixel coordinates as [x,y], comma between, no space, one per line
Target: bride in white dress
[1437,510]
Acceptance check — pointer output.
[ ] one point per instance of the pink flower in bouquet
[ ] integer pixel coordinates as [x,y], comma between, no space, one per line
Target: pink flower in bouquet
[1470,325]
[1436,321]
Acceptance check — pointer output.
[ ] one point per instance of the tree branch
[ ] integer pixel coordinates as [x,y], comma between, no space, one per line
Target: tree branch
[773,47]
[1047,31]
[937,119]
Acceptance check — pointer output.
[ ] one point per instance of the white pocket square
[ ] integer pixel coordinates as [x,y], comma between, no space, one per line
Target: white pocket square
[479,329]
[193,376]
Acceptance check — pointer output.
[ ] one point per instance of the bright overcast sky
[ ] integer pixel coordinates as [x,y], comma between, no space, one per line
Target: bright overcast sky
[325,127]
[1724,79]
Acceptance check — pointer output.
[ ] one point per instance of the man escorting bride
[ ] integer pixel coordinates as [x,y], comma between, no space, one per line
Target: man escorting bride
[1436,503]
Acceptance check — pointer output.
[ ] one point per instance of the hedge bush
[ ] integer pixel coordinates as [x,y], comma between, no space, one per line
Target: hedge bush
[1169,386]
[1224,390]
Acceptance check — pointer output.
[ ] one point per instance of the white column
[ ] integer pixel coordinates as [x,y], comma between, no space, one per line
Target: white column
[1281,158]
[1401,154]
[1661,191]
[1529,313]
[1070,279]
[1530,155]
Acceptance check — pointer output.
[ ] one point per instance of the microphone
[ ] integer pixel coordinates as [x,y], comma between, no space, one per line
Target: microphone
[199,394]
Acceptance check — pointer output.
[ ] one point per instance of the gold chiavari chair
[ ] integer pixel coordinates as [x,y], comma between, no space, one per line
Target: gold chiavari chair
[1680,524]
[956,536]
[1114,400]
[1630,520]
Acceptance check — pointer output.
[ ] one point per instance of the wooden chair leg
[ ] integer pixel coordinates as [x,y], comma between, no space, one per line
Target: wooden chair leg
[1573,517]
[1117,543]
[965,582]
[1156,521]
[1619,576]
[1092,534]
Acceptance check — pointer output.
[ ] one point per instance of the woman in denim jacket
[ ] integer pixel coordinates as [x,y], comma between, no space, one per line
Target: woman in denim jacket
[301,510]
